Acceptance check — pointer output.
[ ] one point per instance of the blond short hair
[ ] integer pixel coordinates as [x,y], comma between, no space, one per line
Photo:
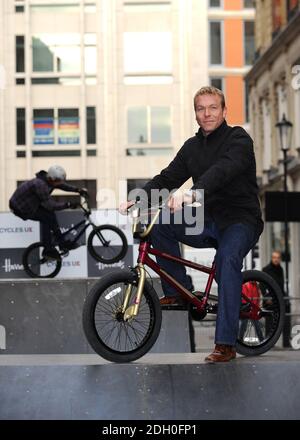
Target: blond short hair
[210,90]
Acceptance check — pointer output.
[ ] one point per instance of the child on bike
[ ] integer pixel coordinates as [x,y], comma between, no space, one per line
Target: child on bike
[32,201]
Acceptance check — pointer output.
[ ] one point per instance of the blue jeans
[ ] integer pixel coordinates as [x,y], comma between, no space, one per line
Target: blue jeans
[232,243]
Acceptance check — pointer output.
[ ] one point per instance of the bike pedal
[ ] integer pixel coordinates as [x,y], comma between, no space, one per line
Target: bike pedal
[174,307]
[198,294]
[49,258]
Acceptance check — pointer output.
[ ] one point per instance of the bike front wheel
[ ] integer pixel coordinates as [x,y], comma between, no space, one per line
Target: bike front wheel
[258,334]
[106,330]
[107,244]
[37,266]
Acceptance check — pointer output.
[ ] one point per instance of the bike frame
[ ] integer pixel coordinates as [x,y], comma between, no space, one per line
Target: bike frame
[143,259]
[145,250]
[86,222]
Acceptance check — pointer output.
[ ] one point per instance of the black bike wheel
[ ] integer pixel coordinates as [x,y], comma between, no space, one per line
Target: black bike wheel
[36,266]
[107,244]
[107,332]
[257,336]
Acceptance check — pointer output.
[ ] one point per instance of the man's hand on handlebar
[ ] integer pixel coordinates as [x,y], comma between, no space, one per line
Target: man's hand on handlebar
[124,206]
[174,203]
[178,200]
[83,192]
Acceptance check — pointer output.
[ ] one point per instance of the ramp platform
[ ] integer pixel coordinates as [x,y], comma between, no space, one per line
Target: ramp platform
[45,316]
[158,387]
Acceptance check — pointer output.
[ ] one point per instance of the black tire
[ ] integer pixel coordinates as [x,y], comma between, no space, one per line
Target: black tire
[258,336]
[106,331]
[107,244]
[38,267]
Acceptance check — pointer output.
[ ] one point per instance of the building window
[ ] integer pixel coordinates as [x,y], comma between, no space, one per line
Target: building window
[44,80]
[249,4]
[64,80]
[61,53]
[266,114]
[42,56]
[91,125]
[297,118]
[20,53]
[49,129]
[249,42]
[133,184]
[56,153]
[20,81]
[73,7]
[147,125]
[20,8]
[90,54]
[292,8]
[137,125]
[43,126]
[215,3]
[148,54]
[277,17]
[160,123]
[217,82]
[21,126]
[215,28]
[282,102]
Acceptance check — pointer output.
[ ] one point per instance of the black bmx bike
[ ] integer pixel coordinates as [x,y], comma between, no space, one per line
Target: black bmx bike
[106,244]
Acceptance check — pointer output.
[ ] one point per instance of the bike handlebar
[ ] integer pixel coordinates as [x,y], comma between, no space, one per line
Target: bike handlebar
[86,209]
[135,212]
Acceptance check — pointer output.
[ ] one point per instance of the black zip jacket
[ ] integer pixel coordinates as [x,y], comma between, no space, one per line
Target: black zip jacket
[276,272]
[223,165]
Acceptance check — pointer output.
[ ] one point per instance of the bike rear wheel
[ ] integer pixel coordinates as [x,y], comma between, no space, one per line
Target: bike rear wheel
[257,336]
[107,244]
[37,266]
[107,332]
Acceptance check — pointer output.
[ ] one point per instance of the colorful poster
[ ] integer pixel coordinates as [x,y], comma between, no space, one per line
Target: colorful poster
[68,130]
[43,131]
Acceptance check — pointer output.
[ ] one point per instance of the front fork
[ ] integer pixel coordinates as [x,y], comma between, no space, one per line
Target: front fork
[132,311]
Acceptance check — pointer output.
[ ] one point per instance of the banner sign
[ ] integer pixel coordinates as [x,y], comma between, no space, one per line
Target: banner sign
[16,235]
[68,130]
[43,131]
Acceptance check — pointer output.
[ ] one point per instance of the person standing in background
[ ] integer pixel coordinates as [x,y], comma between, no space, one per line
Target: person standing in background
[275,270]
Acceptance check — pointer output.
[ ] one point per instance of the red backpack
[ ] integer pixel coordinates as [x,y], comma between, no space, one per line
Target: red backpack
[251,290]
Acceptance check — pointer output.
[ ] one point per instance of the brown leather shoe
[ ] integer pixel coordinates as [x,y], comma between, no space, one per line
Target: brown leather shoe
[222,353]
